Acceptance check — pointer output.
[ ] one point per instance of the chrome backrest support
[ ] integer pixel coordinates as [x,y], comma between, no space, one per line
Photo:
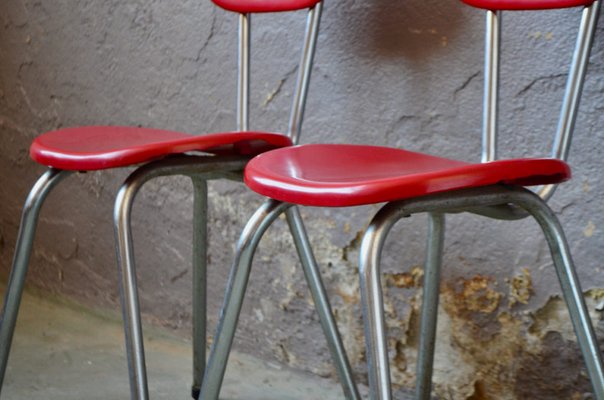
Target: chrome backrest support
[304,72]
[574,88]
[572,95]
[243,78]
[305,69]
[491,86]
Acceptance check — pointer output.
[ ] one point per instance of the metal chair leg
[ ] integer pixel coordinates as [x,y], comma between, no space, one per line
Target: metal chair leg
[128,289]
[315,284]
[199,169]
[235,292]
[373,303]
[25,238]
[571,288]
[371,291]
[429,315]
[200,218]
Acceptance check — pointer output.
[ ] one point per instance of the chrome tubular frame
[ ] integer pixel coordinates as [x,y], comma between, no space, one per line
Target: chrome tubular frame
[306,63]
[312,275]
[200,284]
[234,294]
[258,224]
[199,169]
[371,291]
[25,240]
[229,167]
[491,86]
[572,94]
[429,314]
[243,80]
[237,286]
[574,88]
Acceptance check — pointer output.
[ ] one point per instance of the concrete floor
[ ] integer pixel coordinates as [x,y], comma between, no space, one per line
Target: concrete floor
[65,352]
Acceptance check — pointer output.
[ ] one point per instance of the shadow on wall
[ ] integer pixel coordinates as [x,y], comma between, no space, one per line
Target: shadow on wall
[413,29]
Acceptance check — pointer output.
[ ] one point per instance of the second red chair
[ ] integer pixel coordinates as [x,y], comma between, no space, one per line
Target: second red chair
[342,175]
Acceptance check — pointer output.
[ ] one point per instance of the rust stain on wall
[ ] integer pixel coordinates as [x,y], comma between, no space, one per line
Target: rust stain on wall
[509,355]
[477,295]
[521,288]
[486,349]
[405,280]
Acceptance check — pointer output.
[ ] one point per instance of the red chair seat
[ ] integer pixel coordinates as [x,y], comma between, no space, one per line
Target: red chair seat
[330,175]
[260,6]
[526,4]
[103,147]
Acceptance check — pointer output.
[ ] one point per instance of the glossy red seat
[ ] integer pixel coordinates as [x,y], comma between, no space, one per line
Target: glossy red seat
[103,147]
[340,175]
[264,6]
[527,4]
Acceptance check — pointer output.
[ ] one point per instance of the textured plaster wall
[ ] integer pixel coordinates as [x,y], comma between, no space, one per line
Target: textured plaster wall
[398,73]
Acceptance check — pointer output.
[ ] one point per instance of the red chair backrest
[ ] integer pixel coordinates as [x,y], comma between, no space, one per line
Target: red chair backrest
[495,5]
[263,6]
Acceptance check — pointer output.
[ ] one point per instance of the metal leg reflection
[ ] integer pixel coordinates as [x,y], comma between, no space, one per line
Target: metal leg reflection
[373,303]
[25,239]
[128,288]
[200,169]
[571,288]
[429,316]
[200,219]
[235,292]
[468,200]
[315,284]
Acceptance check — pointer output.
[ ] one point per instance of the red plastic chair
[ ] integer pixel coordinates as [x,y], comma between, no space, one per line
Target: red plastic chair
[347,175]
[103,147]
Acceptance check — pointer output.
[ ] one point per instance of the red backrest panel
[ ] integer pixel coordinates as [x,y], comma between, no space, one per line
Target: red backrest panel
[526,4]
[259,6]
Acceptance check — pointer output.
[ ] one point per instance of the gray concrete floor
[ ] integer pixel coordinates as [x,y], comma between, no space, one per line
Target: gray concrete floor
[61,351]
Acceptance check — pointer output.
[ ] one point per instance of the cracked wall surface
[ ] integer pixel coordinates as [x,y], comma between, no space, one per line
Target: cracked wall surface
[405,74]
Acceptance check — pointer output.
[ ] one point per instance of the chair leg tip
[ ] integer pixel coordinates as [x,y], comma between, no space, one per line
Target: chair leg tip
[195,391]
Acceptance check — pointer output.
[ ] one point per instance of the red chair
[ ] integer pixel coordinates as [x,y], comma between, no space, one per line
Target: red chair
[103,147]
[348,175]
